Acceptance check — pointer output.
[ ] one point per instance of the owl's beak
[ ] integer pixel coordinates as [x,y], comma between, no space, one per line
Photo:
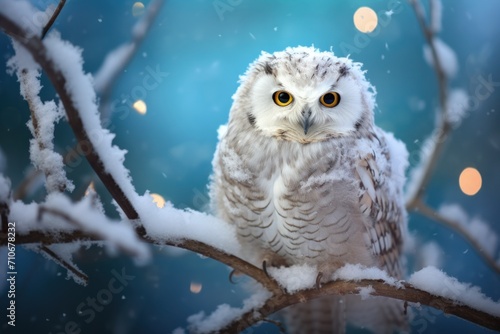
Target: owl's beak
[307,121]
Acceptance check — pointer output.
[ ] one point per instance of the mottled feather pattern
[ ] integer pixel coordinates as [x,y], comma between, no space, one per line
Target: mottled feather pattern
[326,194]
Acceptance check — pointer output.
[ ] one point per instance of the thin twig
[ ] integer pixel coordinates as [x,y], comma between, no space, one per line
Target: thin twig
[53,18]
[65,264]
[37,49]
[24,187]
[443,128]
[438,138]
[75,222]
[105,88]
[427,211]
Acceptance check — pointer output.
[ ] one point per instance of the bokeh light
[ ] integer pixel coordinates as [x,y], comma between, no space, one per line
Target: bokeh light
[158,200]
[140,106]
[195,287]
[365,19]
[470,181]
[90,189]
[138,9]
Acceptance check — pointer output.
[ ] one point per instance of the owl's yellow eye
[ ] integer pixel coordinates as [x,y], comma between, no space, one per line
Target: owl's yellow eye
[282,98]
[330,99]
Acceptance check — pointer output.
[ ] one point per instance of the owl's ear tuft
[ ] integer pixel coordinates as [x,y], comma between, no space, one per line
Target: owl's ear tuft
[343,70]
[268,69]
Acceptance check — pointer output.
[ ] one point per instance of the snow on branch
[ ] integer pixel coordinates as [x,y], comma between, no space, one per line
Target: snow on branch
[225,315]
[436,15]
[429,287]
[447,295]
[478,233]
[479,230]
[62,62]
[63,256]
[444,56]
[57,214]
[452,108]
[44,115]
[443,60]
[436,282]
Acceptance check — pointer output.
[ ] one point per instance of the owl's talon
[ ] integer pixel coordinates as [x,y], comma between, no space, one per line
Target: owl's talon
[264,267]
[318,280]
[233,272]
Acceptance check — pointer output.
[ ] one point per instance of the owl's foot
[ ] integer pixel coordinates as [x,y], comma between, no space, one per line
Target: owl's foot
[233,273]
[318,280]
[264,267]
[325,271]
[272,260]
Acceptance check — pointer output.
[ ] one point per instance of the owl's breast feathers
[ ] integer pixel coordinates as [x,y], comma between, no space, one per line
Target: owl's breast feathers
[331,202]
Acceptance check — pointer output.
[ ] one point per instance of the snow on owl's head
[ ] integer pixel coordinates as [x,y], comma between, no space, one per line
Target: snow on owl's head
[304,95]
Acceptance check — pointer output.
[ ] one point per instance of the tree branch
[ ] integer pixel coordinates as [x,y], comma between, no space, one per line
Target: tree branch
[438,138]
[65,264]
[280,298]
[125,248]
[380,288]
[427,211]
[27,183]
[57,183]
[443,128]
[37,49]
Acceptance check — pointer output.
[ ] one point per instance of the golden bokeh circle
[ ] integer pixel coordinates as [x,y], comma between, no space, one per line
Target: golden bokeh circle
[158,200]
[470,181]
[140,106]
[138,9]
[365,19]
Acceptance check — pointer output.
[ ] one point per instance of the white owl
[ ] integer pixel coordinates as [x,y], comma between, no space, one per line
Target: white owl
[307,177]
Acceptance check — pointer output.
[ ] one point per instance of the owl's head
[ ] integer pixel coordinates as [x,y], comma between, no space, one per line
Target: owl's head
[304,95]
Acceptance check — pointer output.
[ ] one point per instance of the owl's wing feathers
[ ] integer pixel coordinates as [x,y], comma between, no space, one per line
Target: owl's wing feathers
[381,201]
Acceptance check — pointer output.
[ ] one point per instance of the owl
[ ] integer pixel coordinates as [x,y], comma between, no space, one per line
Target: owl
[308,178]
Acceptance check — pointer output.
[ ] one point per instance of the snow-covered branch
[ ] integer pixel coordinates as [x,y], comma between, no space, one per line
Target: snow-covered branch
[62,63]
[44,115]
[405,291]
[435,144]
[73,271]
[476,232]
[452,107]
[423,288]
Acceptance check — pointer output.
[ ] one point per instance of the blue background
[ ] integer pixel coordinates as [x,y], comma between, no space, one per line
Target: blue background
[171,147]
